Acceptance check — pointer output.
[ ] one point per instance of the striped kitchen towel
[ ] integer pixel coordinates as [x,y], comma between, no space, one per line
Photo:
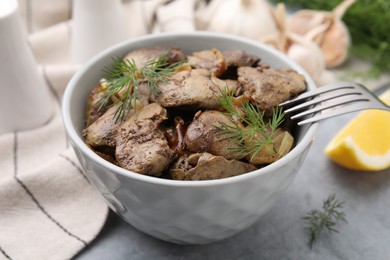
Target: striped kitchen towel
[48,210]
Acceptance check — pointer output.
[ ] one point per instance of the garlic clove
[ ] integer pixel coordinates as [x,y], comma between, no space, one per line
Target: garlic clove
[335,44]
[274,40]
[305,21]
[307,54]
[278,39]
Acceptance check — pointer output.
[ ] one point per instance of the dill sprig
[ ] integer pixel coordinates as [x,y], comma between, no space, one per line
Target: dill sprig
[368,22]
[327,218]
[123,79]
[251,125]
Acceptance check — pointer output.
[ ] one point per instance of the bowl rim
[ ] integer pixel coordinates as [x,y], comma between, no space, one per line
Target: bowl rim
[307,138]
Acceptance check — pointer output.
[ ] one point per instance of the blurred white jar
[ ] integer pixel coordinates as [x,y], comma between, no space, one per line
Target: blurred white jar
[25,99]
[97,24]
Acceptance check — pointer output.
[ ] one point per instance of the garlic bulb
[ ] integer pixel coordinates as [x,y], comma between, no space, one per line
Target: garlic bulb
[332,34]
[299,49]
[248,18]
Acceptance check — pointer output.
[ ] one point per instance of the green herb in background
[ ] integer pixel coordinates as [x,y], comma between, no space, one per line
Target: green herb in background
[327,218]
[369,24]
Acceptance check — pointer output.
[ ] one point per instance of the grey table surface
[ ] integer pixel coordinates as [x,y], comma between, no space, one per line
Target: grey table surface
[280,234]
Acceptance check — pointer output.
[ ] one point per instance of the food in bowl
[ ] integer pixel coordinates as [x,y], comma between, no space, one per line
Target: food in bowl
[184,212]
[199,116]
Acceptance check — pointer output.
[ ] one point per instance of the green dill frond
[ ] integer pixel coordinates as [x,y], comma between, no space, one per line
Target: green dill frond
[123,79]
[255,125]
[225,99]
[325,219]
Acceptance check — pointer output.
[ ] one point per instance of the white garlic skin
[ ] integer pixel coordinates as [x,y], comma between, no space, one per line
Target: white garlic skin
[332,35]
[304,52]
[304,21]
[298,48]
[248,18]
[334,41]
[335,44]
[308,55]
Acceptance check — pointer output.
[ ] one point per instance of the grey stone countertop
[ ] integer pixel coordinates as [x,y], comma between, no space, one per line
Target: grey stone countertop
[281,233]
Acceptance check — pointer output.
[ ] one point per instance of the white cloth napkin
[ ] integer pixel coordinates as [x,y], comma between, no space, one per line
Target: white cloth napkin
[48,210]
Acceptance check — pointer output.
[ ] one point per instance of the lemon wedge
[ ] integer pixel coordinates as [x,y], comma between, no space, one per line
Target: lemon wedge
[364,143]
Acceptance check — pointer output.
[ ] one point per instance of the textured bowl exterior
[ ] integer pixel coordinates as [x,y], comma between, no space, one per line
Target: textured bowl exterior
[184,212]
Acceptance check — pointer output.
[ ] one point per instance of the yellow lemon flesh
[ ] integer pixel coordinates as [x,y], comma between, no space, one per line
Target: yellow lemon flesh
[364,143]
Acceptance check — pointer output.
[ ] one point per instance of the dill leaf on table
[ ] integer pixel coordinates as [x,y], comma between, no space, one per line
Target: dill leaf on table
[325,219]
[369,24]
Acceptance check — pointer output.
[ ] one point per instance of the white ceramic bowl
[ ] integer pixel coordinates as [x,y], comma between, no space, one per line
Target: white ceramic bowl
[189,212]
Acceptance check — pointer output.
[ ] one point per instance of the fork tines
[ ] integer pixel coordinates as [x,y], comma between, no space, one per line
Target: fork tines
[343,97]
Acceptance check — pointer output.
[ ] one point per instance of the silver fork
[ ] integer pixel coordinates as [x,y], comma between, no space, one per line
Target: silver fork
[339,98]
